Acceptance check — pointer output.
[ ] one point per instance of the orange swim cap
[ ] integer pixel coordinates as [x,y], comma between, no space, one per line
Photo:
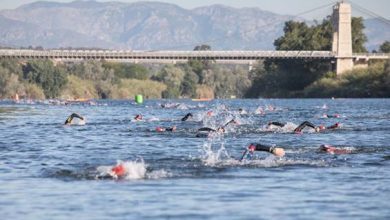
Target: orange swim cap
[118,170]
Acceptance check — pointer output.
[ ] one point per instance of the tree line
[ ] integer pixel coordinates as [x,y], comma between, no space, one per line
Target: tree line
[39,79]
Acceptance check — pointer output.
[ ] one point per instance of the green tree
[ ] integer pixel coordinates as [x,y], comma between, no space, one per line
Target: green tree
[11,85]
[172,76]
[188,86]
[202,47]
[128,71]
[92,70]
[51,78]
[358,36]
[371,82]
[385,47]
[201,67]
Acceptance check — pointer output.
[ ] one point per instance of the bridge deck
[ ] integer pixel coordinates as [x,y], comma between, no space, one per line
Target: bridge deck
[176,55]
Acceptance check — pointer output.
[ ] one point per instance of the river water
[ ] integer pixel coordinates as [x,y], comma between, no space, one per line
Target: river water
[52,171]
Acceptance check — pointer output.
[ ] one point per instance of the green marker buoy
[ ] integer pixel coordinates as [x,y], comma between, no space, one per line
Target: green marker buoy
[139,99]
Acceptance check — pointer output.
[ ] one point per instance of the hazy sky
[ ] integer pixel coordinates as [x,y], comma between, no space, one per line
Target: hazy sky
[291,7]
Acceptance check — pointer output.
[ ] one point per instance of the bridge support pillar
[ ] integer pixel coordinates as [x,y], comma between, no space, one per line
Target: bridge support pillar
[342,37]
[343,65]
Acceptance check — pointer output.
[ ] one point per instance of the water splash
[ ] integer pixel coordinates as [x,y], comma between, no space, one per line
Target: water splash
[212,157]
[134,170]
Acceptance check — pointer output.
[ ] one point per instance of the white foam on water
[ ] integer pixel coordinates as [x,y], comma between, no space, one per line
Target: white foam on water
[212,157]
[82,122]
[272,161]
[153,119]
[182,106]
[158,174]
[134,169]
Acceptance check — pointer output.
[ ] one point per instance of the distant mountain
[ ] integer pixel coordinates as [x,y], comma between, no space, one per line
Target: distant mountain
[144,26]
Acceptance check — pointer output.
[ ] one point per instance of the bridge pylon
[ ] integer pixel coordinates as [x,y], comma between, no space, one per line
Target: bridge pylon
[342,37]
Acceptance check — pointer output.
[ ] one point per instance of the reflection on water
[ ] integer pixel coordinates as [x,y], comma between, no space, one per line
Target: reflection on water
[48,169]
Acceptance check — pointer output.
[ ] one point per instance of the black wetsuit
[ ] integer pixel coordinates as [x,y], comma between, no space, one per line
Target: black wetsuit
[258,147]
[170,129]
[220,128]
[261,147]
[207,129]
[331,116]
[70,118]
[279,124]
[333,126]
[303,125]
[185,118]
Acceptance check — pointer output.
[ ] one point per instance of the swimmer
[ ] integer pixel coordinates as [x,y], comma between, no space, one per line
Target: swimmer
[331,116]
[316,128]
[138,117]
[242,111]
[74,115]
[259,111]
[270,108]
[186,117]
[306,124]
[218,130]
[333,150]
[118,170]
[277,151]
[161,129]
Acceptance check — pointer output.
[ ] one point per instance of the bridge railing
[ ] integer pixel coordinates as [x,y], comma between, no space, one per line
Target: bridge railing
[119,54]
[371,55]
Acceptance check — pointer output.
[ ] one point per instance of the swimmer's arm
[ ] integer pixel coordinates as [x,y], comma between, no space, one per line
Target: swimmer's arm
[229,122]
[277,151]
[303,125]
[74,115]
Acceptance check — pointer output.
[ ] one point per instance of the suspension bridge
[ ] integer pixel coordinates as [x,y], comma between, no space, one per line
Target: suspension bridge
[341,52]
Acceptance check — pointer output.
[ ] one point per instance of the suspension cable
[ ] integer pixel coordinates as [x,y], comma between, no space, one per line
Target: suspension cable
[248,31]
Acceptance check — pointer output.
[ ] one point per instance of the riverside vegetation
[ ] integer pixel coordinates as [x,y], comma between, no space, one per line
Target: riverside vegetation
[39,79]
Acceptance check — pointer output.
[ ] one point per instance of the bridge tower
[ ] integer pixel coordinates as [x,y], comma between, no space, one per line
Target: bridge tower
[342,37]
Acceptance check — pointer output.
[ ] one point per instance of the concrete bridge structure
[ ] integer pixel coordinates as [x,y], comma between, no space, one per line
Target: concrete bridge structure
[341,51]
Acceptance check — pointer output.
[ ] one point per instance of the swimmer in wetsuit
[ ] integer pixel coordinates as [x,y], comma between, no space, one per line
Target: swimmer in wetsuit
[333,150]
[70,118]
[331,116]
[277,151]
[306,124]
[219,130]
[161,129]
[186,117]
[316,128]
[138,117]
